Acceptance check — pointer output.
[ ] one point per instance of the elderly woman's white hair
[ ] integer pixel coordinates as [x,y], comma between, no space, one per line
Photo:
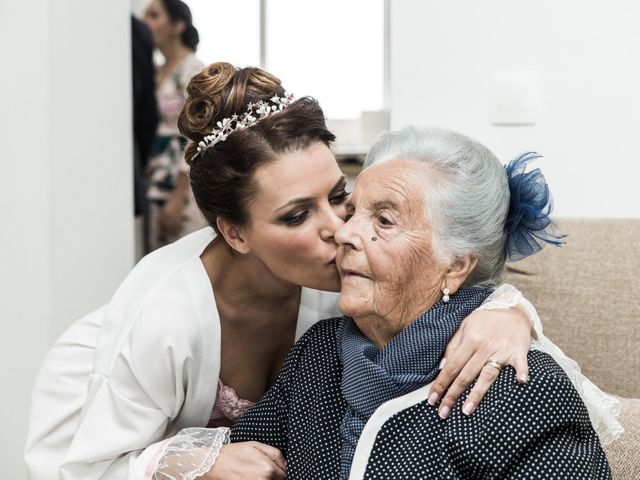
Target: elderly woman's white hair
[467,195]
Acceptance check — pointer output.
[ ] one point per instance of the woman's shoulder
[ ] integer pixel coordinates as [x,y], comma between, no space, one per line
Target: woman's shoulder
[181,308]
[548,396]
[194,63]
[188,68]
[536,423]
[544,373]
[543,369]
[318,346]
[159,268]
[516,429]
[164,346]
[165,301]
[172,307]
[323,331]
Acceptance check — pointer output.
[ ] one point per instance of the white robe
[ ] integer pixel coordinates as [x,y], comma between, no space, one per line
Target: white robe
[136,371]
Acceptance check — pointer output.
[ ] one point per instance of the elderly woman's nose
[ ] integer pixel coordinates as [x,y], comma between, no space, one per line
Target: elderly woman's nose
[347,234]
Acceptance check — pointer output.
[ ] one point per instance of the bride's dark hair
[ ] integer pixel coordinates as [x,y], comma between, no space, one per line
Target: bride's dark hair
[222,175]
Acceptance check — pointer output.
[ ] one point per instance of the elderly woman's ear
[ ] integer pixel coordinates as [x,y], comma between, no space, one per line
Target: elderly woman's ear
[458,272]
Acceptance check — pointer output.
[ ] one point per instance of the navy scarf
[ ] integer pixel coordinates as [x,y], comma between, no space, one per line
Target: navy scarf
[373,376]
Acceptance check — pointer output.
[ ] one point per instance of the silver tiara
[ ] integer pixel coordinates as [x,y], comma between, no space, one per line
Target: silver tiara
[255,112]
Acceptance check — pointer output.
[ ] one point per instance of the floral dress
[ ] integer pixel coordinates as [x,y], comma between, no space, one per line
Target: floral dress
[167,160]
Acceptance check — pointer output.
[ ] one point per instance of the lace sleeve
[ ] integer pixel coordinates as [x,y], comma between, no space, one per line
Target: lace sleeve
[189,454]
[603,409]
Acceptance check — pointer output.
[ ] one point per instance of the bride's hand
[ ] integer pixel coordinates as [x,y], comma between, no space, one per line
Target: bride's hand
[502,335]
[247,460]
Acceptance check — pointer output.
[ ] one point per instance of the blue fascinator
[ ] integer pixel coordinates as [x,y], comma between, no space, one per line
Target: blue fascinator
[528,226]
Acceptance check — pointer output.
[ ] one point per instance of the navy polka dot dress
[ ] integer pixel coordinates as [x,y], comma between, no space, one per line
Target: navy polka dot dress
[540,430]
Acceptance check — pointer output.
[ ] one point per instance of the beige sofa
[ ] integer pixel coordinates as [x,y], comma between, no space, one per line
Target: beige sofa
[588,296]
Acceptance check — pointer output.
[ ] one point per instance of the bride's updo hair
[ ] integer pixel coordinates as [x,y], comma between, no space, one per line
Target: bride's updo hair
[222,175]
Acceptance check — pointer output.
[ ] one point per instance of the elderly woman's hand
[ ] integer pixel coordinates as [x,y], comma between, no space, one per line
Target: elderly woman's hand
[502,335]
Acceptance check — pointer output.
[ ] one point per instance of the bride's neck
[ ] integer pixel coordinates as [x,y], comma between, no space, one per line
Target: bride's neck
[244,280]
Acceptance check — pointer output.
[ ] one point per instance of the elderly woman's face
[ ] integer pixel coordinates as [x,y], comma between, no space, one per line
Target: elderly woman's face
[385,258]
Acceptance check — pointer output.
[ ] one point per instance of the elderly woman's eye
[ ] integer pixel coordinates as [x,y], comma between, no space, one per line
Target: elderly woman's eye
[350,210]
[384,220]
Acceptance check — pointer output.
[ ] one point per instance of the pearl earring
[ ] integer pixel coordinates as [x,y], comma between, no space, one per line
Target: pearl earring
[445,295]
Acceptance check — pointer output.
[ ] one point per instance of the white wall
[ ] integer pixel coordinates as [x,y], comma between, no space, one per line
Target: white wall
[586,55]
[138,6]
[66,231]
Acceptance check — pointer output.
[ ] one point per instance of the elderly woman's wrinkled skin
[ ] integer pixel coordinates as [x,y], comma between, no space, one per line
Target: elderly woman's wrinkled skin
[389,271]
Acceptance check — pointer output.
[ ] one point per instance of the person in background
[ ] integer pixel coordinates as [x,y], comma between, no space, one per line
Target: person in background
[145,113]
[172,209]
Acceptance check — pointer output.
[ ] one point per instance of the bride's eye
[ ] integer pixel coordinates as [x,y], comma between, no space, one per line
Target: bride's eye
[295,218]
[339,197]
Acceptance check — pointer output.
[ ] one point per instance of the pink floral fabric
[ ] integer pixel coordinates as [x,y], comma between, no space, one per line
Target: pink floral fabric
[227,407]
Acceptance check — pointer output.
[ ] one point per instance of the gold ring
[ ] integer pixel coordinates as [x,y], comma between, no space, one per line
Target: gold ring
[493,361]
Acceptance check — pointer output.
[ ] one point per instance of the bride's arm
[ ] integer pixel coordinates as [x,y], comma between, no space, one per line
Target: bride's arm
[506,326]
[205,454]
[498,330]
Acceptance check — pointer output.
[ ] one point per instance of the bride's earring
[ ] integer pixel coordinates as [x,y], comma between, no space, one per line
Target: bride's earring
[445,295]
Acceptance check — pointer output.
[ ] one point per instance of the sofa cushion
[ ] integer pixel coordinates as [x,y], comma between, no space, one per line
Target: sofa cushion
[588,296]
[623,453]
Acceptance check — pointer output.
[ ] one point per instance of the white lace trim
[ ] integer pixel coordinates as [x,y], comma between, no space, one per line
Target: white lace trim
[603,409]
[190,454]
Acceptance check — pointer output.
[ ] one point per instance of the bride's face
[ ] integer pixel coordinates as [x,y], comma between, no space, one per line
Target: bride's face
[298,206]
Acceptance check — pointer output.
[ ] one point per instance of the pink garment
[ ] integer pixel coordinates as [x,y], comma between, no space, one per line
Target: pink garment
[227,407]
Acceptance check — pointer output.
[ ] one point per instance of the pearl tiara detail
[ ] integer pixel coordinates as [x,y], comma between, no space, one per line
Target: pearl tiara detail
[254,113]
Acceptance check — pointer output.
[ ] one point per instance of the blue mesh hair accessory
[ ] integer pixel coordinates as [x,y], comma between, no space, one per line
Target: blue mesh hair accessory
[528,226]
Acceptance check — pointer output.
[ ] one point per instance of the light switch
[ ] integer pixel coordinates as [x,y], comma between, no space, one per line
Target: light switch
[514,98]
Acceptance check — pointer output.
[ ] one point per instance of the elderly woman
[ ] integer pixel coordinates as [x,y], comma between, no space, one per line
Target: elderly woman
[429,231]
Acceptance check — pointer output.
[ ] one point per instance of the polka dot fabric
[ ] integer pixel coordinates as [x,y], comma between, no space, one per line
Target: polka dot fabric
[372,376]
[301,414]
[533,431]
[540,430]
